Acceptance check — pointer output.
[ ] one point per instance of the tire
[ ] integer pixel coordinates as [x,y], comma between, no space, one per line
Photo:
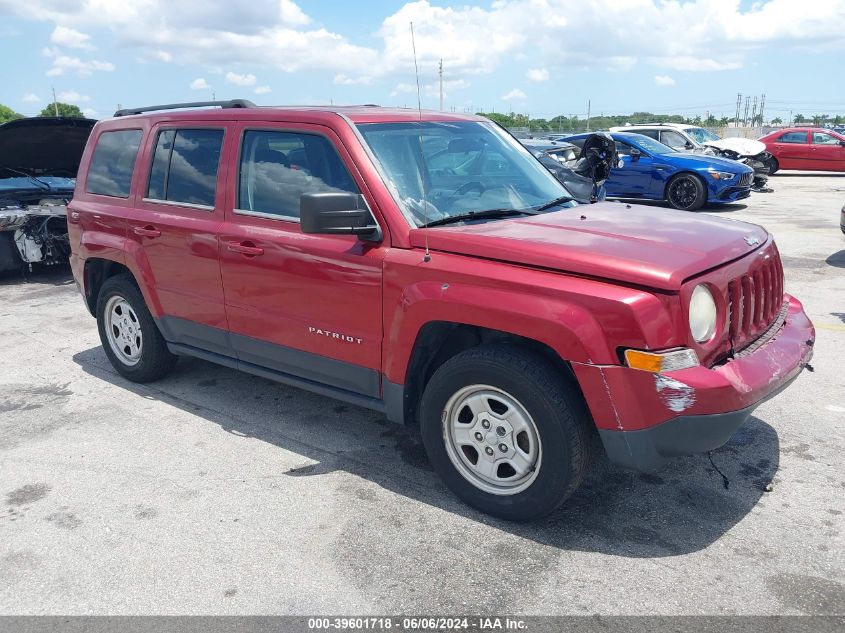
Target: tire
[773,165]
[137,350]
[686,192]
[501,382]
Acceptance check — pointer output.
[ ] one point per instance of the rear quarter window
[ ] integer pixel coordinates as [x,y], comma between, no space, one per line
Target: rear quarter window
[110,173]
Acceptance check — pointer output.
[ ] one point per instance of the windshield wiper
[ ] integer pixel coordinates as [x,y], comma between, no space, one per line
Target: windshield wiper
[480,215]
[554,203]
[38,182]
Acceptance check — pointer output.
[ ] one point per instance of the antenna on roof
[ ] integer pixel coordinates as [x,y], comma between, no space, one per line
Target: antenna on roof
[427,257]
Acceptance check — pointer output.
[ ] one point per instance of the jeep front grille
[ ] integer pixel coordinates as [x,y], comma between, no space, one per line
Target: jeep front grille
[754,301]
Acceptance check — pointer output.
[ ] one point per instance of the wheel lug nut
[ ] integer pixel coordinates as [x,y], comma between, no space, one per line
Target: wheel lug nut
[485,424]
[503,448]
[488,450]
[500,431]
[478,436]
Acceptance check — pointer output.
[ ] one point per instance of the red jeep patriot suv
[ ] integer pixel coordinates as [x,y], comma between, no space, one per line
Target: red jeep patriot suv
[427,266]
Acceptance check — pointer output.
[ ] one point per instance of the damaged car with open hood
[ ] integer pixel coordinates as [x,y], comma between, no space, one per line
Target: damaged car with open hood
[39,158]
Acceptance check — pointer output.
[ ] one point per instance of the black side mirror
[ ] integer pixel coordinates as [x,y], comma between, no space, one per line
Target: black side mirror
[842,143]
[337,214]
[689,145]
[635,154]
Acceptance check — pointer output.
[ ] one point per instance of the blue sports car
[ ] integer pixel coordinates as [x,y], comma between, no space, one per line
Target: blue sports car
[654,171]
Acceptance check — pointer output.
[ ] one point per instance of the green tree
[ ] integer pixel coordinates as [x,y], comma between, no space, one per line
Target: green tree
[7,114]
[799,118]
[776,121]
[67,110]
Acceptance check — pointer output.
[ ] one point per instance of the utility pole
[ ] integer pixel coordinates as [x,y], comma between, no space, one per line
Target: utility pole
[441,84]
[762,105]
[738,105]
[745,116]
[754,112]
[55,103]
[588,115]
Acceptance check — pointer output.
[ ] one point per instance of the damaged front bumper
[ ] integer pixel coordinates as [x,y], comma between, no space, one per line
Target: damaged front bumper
[644,419]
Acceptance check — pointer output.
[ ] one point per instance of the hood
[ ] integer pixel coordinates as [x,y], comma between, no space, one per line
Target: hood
[633,244]
[742,146]
[44,146]
[704,161]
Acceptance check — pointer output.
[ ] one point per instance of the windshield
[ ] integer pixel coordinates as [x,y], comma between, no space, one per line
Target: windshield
[22,182]
[651,146]
[701,135]
[437,170]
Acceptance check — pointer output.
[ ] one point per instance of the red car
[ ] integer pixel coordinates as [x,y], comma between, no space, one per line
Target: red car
[807,149]
[427,266]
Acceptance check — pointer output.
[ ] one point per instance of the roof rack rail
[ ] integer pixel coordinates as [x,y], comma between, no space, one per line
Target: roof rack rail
[232,103]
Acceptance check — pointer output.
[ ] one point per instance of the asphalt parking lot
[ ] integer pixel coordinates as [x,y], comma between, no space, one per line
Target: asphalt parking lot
[215,492]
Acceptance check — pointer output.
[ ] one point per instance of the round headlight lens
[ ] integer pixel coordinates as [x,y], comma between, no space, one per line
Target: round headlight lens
[702,314]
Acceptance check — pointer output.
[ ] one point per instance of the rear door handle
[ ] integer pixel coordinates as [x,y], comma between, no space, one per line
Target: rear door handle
[245,248]
[146,231]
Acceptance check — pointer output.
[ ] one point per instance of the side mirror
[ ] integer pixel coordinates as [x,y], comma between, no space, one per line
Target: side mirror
[689,145]
[842,143]
[337,214]
[635,154]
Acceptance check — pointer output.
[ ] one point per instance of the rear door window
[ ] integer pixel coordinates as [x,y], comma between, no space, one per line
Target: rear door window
[276,168]
[673,139]
[114,158]
[793,137]
[185,164]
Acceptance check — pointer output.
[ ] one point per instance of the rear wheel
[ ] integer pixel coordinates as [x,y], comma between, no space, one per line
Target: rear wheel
[686,192]
[130,337]
[505,431]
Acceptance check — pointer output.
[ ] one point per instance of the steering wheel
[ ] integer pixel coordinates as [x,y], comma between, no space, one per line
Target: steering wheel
[470,186]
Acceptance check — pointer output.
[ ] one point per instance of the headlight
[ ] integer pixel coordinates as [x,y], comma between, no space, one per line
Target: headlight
[721,175]
[702,314]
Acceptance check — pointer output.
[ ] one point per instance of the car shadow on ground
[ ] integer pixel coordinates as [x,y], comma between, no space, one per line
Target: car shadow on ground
[57,275]
[681,509]
[837,259]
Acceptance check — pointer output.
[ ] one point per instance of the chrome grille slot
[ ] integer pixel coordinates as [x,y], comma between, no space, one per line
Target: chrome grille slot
[745,180]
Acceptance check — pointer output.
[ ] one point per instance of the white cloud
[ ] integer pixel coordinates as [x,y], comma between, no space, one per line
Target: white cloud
[31,98]
[72,96]
[514,95]
[240,80]
[163,56]
[63,64]
[345,80]
[91,113]
[538,74]
[664,80]
[263,90]
[695,35]
[200,84]
[71,38]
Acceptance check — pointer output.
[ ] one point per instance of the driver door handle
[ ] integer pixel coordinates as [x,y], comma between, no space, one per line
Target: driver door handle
[146,231]
[245,248]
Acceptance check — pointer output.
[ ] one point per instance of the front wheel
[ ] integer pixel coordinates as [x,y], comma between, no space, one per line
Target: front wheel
[505,431]
[773,165]
[686,192]
[130,337]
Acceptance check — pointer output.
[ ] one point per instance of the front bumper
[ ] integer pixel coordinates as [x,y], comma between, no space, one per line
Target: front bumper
[732,194]
[645,418]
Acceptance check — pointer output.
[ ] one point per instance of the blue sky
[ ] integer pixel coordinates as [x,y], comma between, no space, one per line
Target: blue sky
[542,57]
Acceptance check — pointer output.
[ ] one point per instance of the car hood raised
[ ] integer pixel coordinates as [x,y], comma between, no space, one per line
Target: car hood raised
[633,244]
[44,146]
[742,146]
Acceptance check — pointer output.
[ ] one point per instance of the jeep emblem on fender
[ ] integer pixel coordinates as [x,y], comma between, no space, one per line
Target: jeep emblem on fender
[751,241]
